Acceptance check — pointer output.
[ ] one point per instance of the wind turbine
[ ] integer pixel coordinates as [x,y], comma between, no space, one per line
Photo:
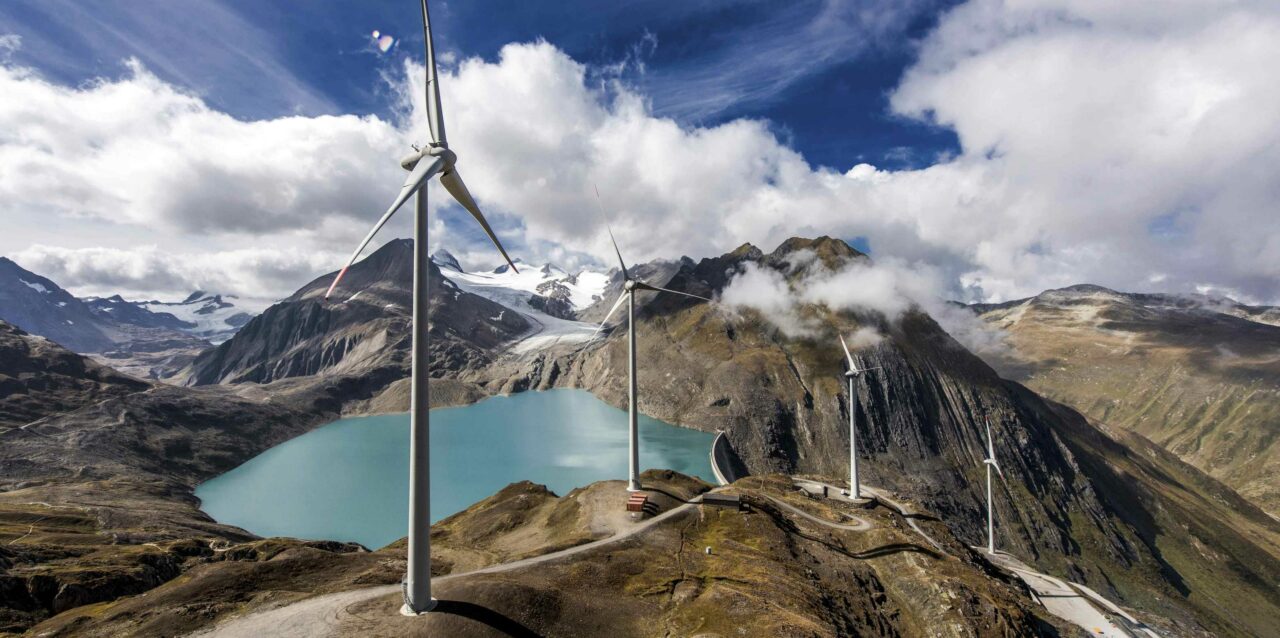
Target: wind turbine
[990,462]
[852,374]
[630,287]
[423,164]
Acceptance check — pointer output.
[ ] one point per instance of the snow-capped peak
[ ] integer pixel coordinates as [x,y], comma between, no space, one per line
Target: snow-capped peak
[504,268]
[552,271]
[215,318]
[445,259]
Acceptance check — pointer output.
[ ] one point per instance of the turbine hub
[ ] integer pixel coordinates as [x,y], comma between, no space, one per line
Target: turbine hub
[851,373]
[630,285]
[411,160]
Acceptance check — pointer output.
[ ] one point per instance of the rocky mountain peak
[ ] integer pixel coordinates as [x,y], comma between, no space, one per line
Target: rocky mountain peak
[504,267]
[799,252]
[747,251]
[551,270]
[446,260]
[40,306]
[389,268]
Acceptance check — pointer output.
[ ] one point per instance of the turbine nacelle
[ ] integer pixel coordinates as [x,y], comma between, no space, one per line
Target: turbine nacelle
[629,285]
[408,162]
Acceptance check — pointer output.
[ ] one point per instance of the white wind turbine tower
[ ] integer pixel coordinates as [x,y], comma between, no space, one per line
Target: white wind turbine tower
[990,462]
[629,289]
[851,375]
[423,164]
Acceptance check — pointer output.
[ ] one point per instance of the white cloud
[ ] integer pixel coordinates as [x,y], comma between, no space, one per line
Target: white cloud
[150,273]
[890,289]
[766,291]
[9,42]
[1101,143]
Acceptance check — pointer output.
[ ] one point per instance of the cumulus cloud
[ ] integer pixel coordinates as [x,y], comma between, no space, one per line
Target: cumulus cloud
[1101,143]
[888,288]
[138,150]
[150,273]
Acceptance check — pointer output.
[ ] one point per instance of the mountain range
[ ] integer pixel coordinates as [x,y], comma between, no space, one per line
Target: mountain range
[151,339]
[1102,505]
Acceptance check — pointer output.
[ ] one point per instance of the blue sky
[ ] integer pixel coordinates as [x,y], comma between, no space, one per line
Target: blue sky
[992,148]
[701,63]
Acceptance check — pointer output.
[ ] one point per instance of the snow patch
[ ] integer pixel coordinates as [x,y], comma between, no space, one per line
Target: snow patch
[36,287]
[210,313]
[513,291]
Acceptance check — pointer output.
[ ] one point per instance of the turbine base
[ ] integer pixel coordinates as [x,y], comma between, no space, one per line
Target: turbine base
[406,610]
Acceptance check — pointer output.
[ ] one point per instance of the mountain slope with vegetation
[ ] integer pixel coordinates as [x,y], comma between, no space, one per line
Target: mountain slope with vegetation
[1076,501]
[1200,377]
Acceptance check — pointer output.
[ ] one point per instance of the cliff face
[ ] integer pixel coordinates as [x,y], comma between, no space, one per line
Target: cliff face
[1199,376]
[363,328]
[1075,501]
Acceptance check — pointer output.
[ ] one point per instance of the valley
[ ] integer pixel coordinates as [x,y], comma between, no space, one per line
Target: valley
[1098,505]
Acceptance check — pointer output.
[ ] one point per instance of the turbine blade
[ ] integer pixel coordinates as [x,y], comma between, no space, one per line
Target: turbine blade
[847,354]
[643,286]
[435,115]
[453,183]
[417,178]
[991,444]
[609,228]
[612,310]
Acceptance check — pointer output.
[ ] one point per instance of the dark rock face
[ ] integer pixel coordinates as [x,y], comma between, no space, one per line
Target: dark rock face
[445,259]
[41,307]
[364,327]
[553,298]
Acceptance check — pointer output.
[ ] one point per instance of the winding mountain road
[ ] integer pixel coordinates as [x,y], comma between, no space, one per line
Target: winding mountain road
[327,615]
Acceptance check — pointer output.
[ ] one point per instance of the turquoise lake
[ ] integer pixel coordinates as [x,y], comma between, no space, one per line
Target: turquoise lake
[348,480]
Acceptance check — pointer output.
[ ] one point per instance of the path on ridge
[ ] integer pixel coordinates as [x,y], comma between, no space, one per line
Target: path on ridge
[324,615]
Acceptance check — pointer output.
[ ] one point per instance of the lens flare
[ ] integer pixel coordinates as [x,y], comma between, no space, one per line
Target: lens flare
[385,42]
